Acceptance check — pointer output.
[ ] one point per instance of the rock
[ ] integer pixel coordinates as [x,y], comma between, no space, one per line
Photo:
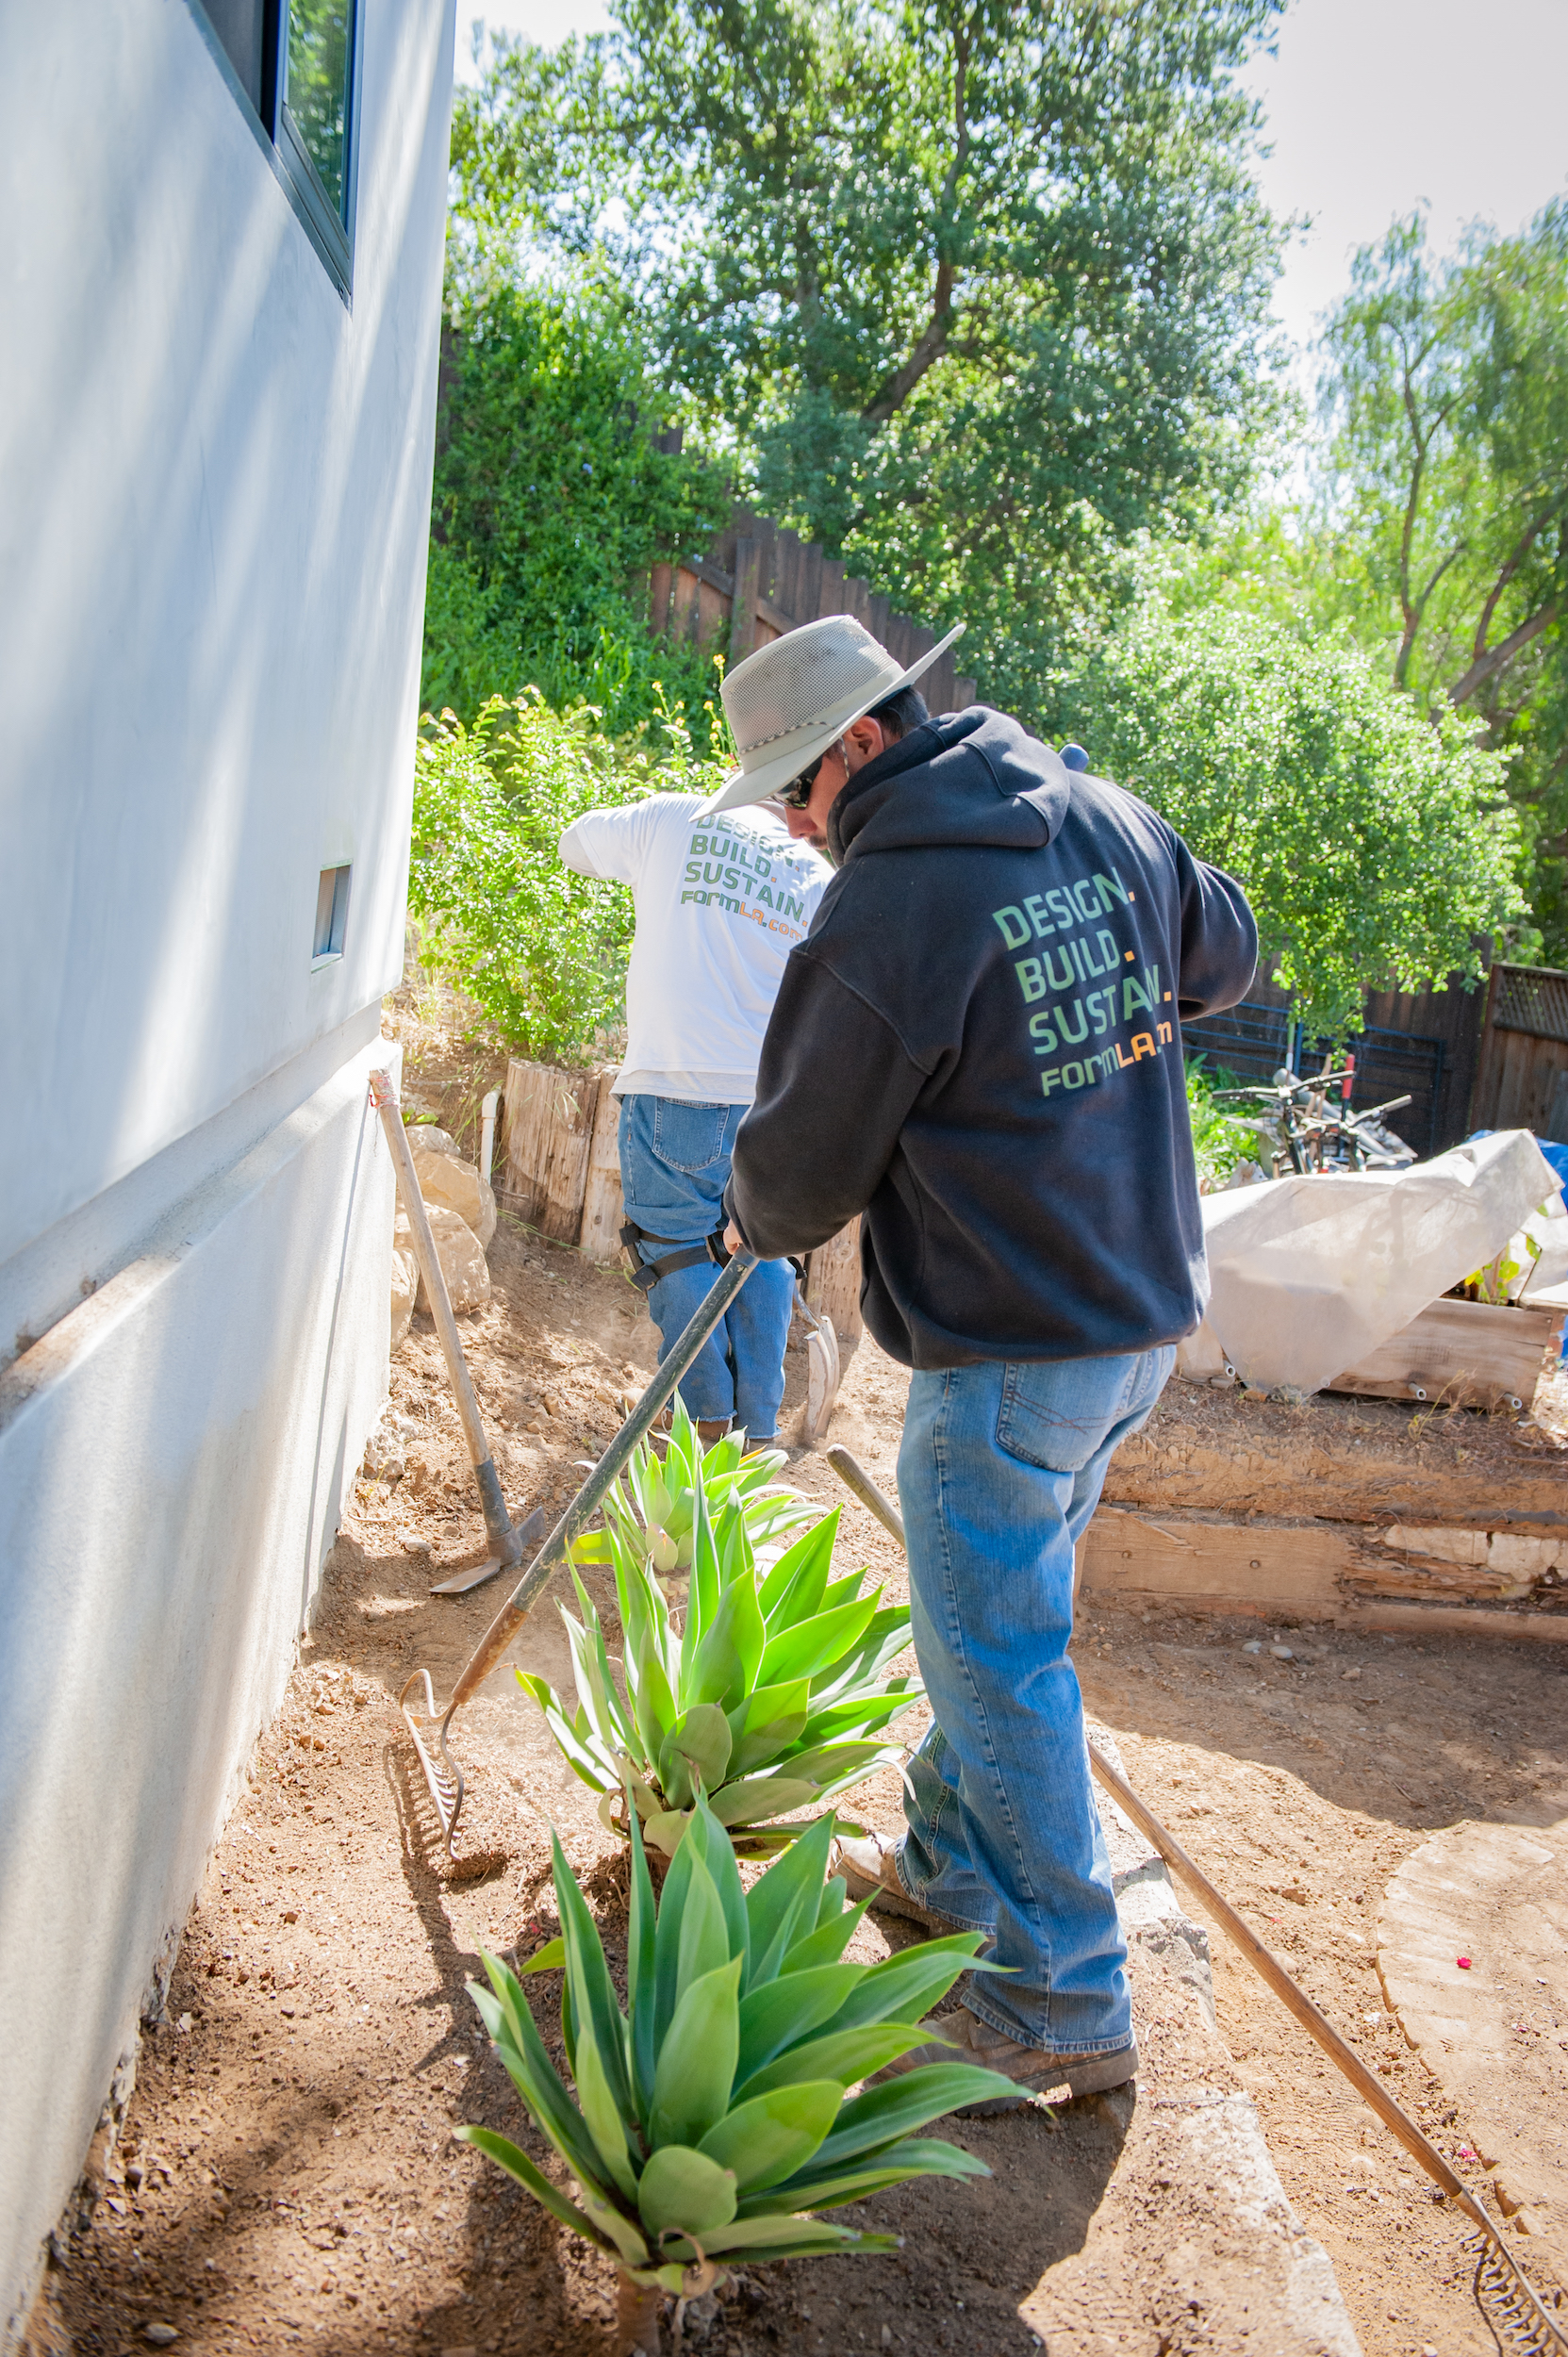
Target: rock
[462,1259]
[459,1187]
[424,1138]
[160,2336]
[406,1279]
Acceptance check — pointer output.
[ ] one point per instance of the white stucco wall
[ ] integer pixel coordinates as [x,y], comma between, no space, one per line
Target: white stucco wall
[214,498]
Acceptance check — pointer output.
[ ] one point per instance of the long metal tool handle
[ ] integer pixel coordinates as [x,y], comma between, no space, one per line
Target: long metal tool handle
[855,1477]
[498,1523]
[513,1613]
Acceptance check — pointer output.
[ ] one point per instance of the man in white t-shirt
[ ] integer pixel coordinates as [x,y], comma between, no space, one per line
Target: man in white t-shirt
[720,904]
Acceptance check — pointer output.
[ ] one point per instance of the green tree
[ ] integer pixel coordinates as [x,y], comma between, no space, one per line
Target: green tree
[550,502]
[975,291]
[1375,845]
[1446,392]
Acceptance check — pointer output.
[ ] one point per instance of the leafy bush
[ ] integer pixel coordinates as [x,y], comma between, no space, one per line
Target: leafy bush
[1221,1137]
[543,952]
[769,1698]
[713,2115]
[549,504]
[1377,845]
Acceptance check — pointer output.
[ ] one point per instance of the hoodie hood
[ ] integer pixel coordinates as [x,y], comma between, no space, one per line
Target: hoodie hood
[971,777]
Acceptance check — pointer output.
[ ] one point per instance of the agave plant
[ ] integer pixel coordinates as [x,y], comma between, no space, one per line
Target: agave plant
[656,1514]
[771,1696]
[713,2117]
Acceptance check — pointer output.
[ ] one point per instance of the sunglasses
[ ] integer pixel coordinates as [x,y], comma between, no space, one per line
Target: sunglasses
[799,792]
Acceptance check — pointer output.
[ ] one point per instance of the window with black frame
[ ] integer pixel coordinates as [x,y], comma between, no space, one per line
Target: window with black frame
[294,64]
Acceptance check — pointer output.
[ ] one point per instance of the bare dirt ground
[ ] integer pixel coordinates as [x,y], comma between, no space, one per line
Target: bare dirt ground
[286,2176]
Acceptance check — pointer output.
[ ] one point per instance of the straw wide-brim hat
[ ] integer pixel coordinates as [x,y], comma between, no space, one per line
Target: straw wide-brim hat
[795,697]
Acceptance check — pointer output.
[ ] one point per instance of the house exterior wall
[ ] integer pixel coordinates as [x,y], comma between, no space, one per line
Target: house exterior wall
[214,498]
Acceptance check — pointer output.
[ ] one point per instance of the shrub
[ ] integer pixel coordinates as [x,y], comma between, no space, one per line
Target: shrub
[542,950]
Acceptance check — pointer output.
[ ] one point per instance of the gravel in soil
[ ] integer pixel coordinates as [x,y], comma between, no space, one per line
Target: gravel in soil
[286,2175]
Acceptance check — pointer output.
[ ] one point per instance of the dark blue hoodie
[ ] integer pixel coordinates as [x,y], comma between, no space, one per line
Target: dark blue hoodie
[978,1045]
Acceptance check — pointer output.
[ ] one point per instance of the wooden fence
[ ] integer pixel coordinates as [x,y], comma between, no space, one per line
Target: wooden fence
[1524,1052]
[562,1174]
[756,581]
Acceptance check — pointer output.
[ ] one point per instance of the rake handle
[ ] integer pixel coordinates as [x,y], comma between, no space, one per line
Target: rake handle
[498,1523]
[1262,1960]
[710,1311]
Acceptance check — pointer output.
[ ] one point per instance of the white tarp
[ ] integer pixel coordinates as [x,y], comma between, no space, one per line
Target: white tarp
[1311,1274]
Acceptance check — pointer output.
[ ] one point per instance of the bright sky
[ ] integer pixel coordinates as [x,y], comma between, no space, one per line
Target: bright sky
[1373,106]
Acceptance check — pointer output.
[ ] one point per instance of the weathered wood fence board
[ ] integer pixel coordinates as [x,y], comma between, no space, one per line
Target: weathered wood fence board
[756,581]
[832,1283]
[550,1117]
[563,1175]
[1523,1049]
[603,1204]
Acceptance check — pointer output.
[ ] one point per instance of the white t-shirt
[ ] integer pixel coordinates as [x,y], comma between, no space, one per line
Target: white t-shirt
[720,904]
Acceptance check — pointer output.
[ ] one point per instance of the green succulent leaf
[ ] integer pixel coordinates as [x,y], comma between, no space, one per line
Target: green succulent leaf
[774,2136]
[697,2058]
[595,2010]
[704,1933]
[905,1987]
[701,1738]
[845,2055]
[550,1958]
[640,1982]
[518,2165]
[510,2023]
[781,1905]
[685,2191]
[724,1666]
[782,2239]
[770,1720]
[827,1943]
[779,2013]
[920,2157]
[805,1649]
[793,1589]
[883,2115]
[594,1767]
[753,1798]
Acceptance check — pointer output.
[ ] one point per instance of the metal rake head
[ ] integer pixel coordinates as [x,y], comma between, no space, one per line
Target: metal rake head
[441,1771]
[1511,2304]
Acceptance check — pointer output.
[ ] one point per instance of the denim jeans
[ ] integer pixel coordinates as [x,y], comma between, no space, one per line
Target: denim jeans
[1000,1468]
[674,1167]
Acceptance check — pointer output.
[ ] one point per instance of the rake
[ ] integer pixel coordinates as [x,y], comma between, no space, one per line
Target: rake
[1526,2321]
[430,1727]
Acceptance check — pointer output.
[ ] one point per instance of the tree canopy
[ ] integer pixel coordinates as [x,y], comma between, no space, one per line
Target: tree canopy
[1375,846]
[1447,395]
[971,290]
[551,501]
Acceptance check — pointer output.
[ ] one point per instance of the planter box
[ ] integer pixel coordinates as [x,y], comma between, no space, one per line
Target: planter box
[832,1283]
[1461,1354]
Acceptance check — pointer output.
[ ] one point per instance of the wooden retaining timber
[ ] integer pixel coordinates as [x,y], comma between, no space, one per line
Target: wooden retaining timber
[1482,1583]
[756,581]
[1467,1354]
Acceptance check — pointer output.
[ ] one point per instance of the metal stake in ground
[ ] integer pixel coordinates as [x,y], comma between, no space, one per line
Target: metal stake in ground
[443,1775]
[1548,2333]
[507,1542]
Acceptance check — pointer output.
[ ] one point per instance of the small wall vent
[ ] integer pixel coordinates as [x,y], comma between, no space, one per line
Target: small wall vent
[332,914]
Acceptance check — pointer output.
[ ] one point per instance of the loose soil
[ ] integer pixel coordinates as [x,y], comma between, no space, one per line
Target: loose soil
[286,2174]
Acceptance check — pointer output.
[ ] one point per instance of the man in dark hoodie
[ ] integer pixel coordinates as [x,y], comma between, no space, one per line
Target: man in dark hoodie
[979,1046]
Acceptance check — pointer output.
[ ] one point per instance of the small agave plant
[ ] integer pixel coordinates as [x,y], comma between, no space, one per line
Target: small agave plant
[771,1696]
[713,2117]
[656,1515]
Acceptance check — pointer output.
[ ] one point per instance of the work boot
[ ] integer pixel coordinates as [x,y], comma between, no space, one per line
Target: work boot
[867,1868]
[961,2037]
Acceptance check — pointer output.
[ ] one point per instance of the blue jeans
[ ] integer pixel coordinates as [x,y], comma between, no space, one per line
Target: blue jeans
[1000,1468]
[674,1167]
